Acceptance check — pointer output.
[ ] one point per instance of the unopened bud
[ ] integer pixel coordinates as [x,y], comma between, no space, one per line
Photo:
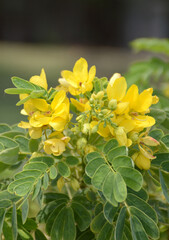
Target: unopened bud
[105,111]
[100,115]
[100,95]
[86,128]
[112,105]
[81,143]
[91,100]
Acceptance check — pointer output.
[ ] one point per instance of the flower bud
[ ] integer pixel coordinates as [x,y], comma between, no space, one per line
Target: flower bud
[112,105]
[105,111]
[100,95]
[81,143]
[91,100]
[86,128]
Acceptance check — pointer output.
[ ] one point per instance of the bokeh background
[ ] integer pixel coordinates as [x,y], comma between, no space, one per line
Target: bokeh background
[54,34]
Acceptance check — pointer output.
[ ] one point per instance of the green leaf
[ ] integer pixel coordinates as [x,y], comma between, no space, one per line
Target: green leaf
[165,166]
[72,161]
[45,181]
[158,114]
[160,158]
[164,186]
[109,212]
[5,203]
[132,177]
[54,196]
[97,223]
[23,188]
[53,172]
[39,235]
[60,204]
[111,144]
[93,165]
[49,161]
[122,161]
[7,231]
[120,224]
[137,230]
[4,128]
[34,144]
[99,176]
[165,140]
[86,235]
[36,165]
[6,195]
[92,155]
[106,232]
[14,184]
[28,173]
[119,188]
[37,93]
[82,216]
[36,189]
[21,83]
[86,179]
[17,91]
[23,143]
[25,210]
[118,151]
[10,154]
[139,203]
[108,191]
[12,134]
[14,222]
[157,134]
[24,234]
[64,225]
[23,101]
[151,44]
[148,224]
[63,169]
[2,218]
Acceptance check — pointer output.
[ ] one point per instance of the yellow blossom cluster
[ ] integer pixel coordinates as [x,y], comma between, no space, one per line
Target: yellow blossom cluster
[112,112]
[128,109]
[43,115]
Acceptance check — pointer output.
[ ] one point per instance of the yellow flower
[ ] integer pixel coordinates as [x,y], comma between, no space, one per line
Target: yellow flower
[82,105]
[141,161]
[56,146]
[34,132]
[80,80]
[55,114]
[131,106]
[122,137]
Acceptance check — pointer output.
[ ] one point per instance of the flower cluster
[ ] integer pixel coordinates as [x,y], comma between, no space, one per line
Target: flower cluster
[44,115]
[105,108]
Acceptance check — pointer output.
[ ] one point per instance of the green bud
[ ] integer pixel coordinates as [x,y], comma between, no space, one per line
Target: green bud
[86,128]
[100,95]
[81,143]
[100,115]
[37,93]
[105,111]
[91,100]
[112,105]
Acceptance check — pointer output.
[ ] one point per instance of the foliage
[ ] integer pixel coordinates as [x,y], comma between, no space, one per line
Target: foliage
[92,165]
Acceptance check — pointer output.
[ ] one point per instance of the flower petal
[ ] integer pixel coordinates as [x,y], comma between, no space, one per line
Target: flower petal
[116,89]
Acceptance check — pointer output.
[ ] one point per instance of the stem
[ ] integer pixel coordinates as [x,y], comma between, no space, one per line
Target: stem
[68,191]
